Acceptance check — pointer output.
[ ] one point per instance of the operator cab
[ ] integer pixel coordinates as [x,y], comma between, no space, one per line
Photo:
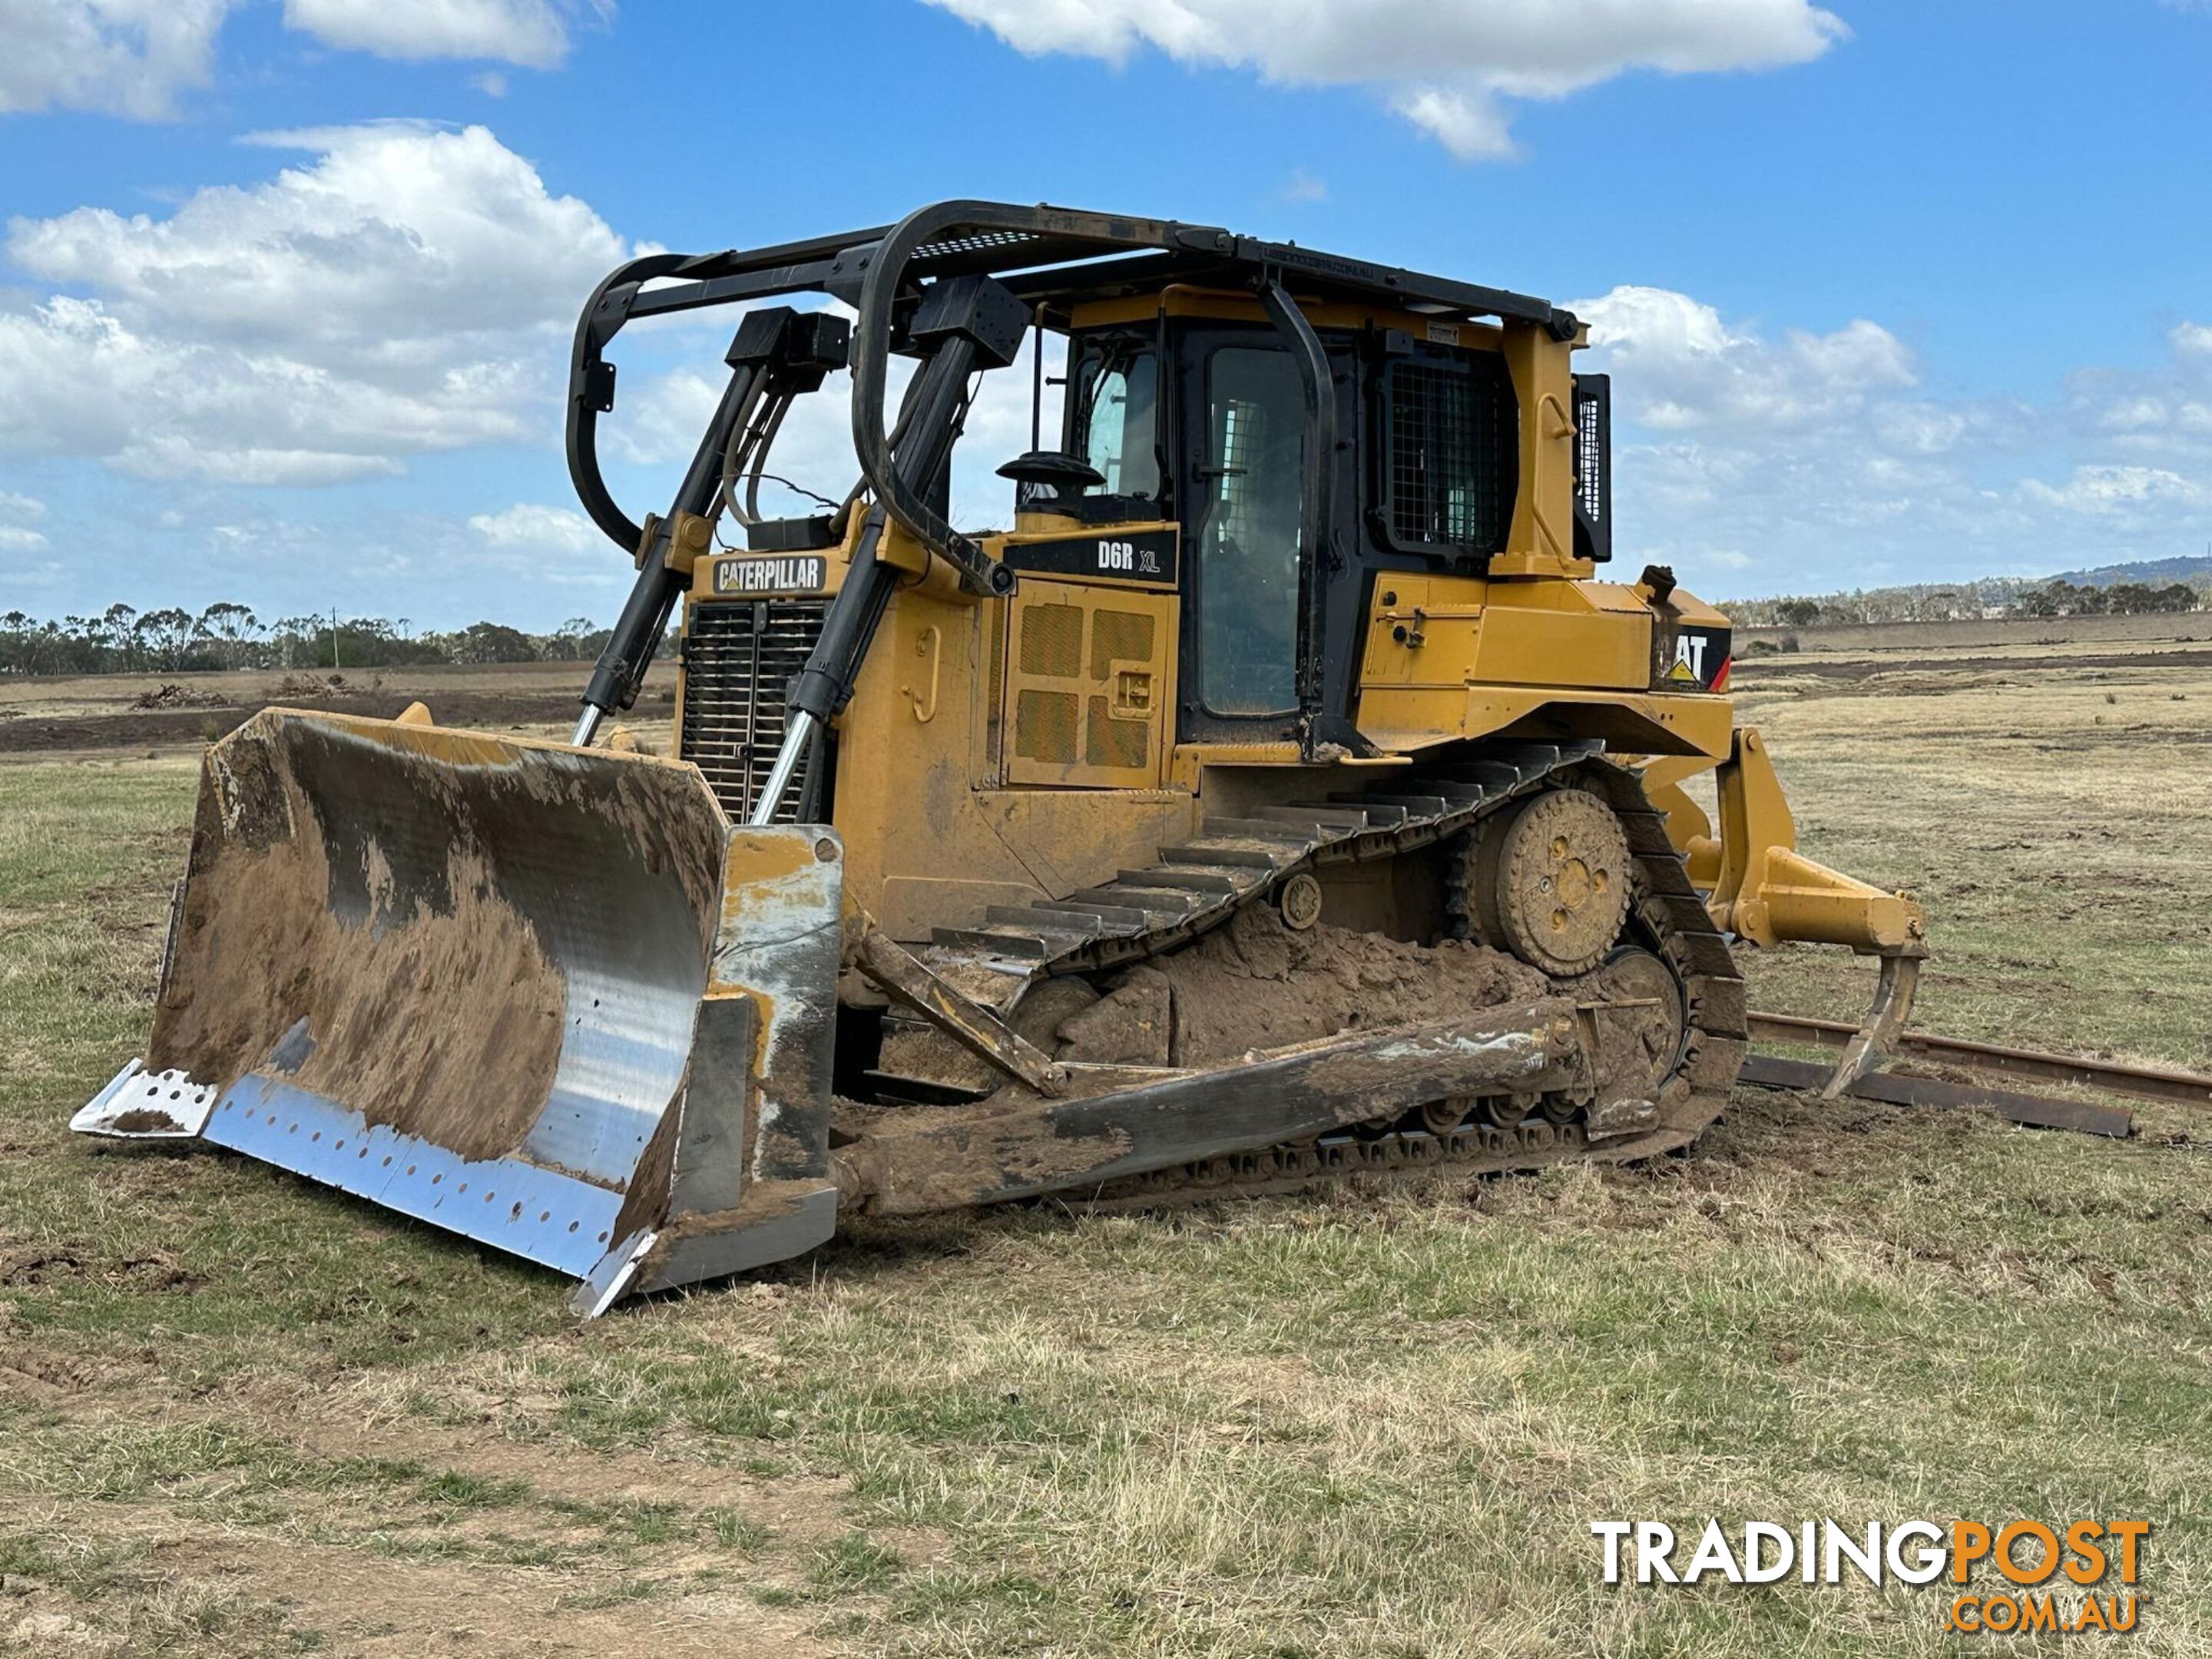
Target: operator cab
[1198,419]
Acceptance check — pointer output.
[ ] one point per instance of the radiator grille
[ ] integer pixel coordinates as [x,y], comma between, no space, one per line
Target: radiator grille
[738,661]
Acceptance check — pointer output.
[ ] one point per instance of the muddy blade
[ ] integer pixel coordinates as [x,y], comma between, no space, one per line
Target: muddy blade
[470,977]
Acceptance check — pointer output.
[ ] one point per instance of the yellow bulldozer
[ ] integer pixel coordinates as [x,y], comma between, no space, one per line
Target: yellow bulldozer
[1286,794]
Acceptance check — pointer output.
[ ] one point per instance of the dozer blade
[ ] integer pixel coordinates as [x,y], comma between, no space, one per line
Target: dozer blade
[545,997]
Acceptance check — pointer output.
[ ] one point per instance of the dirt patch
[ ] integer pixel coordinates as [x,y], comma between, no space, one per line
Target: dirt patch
[169,726]
[45,1264]
[1257,984]
[364,1014]
[1895,676]
[372,1605]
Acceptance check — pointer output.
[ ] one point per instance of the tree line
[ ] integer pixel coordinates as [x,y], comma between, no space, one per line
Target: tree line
[1994,597]
[226,636]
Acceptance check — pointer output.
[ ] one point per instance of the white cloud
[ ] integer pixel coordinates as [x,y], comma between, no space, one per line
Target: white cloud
[16,507]
[527,525]
[132,58]
[408,290]
[1469,125]
[2115,489]
[1682,369]
[492,83]
[1445,67]
[119,56]
[2162,414]
[661,419]
[549,544]
[15,539]
[396,234]
[1304,187]
[532,33]
[1807,461]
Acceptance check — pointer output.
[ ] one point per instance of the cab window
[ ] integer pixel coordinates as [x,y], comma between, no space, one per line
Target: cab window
[1119,390]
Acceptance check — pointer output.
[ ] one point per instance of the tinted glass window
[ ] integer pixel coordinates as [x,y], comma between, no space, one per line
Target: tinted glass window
[1249,491]
[1121,401]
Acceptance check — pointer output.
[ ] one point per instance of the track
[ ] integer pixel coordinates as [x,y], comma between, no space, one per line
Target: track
[1236,862]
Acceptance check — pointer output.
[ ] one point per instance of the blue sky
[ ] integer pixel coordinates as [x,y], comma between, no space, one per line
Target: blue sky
[1891,292]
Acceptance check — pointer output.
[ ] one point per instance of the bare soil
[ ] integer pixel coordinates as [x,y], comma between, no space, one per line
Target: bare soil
[1945,638]
[46,715]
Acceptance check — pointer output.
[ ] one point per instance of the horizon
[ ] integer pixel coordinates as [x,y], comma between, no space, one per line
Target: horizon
[289,288]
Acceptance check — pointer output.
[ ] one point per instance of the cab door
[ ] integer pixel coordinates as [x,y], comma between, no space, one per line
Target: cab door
[1242,503]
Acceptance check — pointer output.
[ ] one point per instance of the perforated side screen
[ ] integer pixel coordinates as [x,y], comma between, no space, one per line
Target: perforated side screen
[1594,467]
[1452,452]
[1044,726]
[1119,636]
[1110,742]
[1052,640]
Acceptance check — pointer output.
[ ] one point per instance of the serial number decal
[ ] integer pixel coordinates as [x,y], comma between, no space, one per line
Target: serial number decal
[802,573]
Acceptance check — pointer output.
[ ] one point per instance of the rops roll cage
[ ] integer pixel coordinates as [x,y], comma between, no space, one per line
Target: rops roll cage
[954,283]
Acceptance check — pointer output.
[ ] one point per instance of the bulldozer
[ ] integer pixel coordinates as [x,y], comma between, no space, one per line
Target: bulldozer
[1288,794]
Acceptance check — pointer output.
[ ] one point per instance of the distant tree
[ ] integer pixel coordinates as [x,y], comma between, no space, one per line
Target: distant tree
[233,629]
[490,641]
[577,640]
[117,630]
[1798,613]
[165,636]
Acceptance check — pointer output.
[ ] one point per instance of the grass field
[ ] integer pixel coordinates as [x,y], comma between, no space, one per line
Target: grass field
[239,1415]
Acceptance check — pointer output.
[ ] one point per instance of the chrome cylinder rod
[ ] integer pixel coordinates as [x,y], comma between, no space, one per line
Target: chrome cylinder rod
[796,737]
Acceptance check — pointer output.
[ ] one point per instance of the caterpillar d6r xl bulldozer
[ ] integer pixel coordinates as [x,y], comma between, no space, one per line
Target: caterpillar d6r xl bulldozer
[1286,795]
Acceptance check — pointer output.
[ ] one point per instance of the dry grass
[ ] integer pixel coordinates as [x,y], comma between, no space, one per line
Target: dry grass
[239,1415]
